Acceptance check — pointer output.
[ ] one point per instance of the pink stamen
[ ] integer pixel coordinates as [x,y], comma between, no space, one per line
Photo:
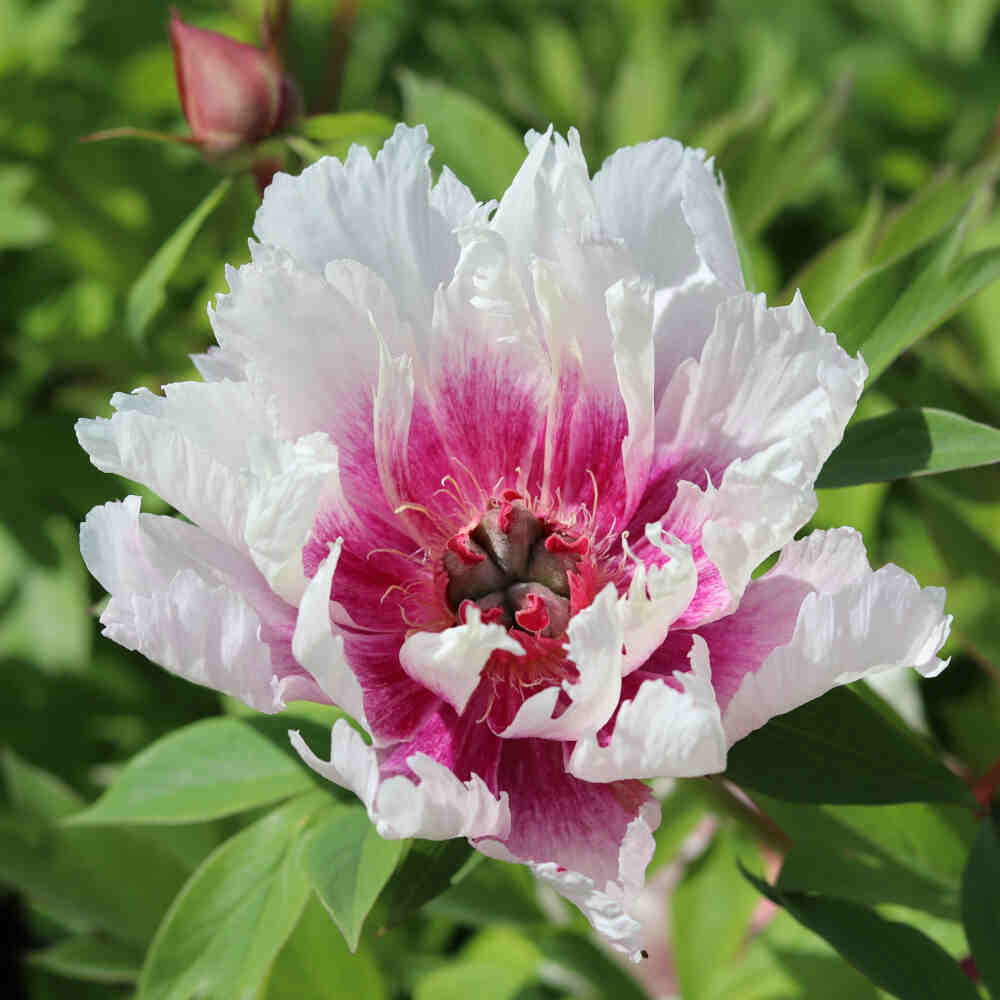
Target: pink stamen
[534,616]
[461,545]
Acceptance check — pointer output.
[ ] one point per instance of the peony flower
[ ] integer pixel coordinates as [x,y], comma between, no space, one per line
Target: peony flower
[494,479]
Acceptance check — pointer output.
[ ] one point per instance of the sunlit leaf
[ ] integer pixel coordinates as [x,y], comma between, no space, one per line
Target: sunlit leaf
[91,958]
[231,919]
[348,864]
[211,768]
[149,292]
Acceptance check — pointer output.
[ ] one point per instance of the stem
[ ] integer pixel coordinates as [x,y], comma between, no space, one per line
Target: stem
[718,792]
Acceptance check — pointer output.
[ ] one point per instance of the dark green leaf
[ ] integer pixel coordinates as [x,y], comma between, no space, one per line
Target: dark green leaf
[478,145]
[150,289]
[429,868]
[897,958]
[492,892]
[981,901]
[915,442]
[348,864]
[838,749]
[95,959]
[211,768]
[580,955]
[225,928]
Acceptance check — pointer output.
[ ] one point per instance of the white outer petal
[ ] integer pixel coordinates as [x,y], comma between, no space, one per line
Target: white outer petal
[630,312]
[289,482]
[379,212]
[319,649]
[844,630]
[438,808]
[656,597]
[170,603]
[596,636]
[608,908]
[450,662]
[661,732]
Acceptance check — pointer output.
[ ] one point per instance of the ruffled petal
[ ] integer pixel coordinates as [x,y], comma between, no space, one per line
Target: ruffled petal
[820,618]
[190,446]
[378,212]
[449,663]
[596,635]
[437,806]
[182,600]
[665,730]
[590,842]
[319,648]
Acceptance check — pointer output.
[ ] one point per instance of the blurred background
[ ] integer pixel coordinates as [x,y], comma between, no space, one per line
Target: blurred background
[850,134]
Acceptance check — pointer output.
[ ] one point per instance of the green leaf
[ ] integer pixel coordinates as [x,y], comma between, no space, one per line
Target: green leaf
[214,767]
[150,289]
[22,225]
[838,749]
[711,909]
[911,854]
[229,922]
[429,868]
[496,965]
[894,307]
[494,891]
[578,954]
[981,901]
[349,864]
[917,442]
[475,142]
[95,959]
[334,134]
[315,964]
[67,872]
[897,958]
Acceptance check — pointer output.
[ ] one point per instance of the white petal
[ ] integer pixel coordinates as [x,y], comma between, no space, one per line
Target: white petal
[853,623]
[439,807]
[663,199]
[377,212]
[290,482]
[450,662]
[607,908]
[596,635]
[770,386]
[217,365]
[656,597]
[189,446]
[661,732]
[457,203]
[630,312]
[319,649]
[179,599]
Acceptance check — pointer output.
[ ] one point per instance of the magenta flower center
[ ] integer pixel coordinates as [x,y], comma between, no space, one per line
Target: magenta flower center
[516,567]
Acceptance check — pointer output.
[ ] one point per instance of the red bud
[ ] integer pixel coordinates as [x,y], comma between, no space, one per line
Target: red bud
[232,94]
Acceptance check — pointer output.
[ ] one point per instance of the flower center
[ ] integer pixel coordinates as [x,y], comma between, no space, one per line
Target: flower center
[515,567]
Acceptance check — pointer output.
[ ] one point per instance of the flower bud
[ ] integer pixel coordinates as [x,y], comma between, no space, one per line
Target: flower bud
[232,94]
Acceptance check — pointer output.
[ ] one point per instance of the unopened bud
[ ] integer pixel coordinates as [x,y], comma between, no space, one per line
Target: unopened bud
[232,94]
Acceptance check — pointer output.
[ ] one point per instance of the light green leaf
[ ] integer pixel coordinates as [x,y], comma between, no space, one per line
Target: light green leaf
[492,892]
[334,134]
[316,965]
[212,768]
[229,922]
[578,954]
[91,958]
[348,864]
[475,142]
[917,442]
[496,965]
[898,958]
[838,749]
[149,292]
[22,225]
[711,909]
[981,901]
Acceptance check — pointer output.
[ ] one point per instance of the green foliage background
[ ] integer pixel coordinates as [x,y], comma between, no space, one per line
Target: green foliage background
[859,143]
